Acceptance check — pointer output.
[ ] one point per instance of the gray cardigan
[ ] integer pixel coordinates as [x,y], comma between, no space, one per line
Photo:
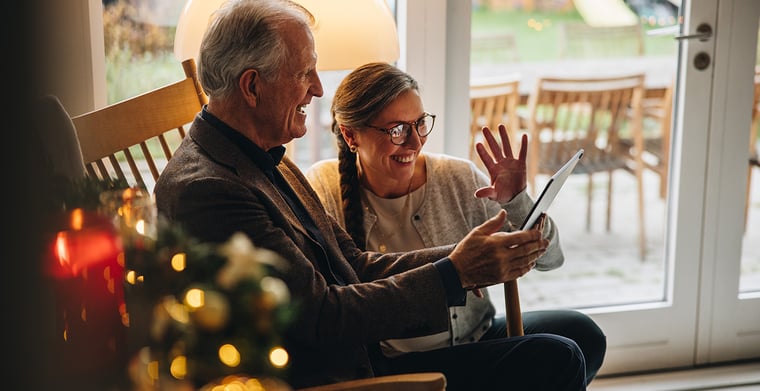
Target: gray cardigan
[448,212]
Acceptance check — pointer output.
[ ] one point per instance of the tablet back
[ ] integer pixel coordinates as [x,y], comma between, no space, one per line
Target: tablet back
[550,190]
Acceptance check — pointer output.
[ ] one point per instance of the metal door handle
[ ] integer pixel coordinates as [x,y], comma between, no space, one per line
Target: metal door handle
[704,32]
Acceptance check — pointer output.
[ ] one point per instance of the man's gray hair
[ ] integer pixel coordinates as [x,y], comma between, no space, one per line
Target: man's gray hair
[244,34]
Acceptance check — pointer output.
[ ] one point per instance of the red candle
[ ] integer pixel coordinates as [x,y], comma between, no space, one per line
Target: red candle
[87,272]
[88,239]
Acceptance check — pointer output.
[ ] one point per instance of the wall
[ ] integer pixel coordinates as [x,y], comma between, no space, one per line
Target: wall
[69,55]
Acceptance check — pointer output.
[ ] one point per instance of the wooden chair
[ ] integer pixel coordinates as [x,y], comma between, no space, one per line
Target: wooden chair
[565,114]
[656,156]
[427,381]
[658,146]
[138,135]
[493,102]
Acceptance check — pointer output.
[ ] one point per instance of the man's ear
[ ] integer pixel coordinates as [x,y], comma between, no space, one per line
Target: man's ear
[248,84]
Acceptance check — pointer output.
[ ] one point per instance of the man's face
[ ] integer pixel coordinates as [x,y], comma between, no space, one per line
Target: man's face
[284,96]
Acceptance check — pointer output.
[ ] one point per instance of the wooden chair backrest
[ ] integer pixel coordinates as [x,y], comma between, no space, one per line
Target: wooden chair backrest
[493,102]
[567,114]
[137,135]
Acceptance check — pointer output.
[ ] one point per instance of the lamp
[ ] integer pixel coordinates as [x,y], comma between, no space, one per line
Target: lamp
[347,34]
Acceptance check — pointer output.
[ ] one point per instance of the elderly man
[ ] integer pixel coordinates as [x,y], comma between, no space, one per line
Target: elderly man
[257,65]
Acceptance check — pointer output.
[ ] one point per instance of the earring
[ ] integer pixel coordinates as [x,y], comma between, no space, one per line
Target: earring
[353,148]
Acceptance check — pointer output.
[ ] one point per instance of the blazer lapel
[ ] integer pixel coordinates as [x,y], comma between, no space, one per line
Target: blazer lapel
[227,153]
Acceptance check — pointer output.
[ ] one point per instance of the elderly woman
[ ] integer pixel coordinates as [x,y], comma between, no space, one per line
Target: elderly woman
[390,196]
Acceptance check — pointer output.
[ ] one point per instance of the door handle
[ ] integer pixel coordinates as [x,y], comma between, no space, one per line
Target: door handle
[704,32]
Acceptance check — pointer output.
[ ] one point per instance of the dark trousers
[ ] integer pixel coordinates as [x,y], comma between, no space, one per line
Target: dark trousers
[532,362]
[571,324]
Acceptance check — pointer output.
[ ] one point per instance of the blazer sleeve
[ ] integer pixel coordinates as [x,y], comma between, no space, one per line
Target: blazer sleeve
[388,296]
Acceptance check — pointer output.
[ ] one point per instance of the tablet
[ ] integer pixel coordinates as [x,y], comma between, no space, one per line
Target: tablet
[550,190]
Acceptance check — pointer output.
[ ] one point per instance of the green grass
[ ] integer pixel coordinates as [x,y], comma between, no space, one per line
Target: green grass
[536,39]
[128,76]
[537,33]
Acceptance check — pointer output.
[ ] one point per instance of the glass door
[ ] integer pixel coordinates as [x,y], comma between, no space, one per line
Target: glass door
[729,297]
[693,297]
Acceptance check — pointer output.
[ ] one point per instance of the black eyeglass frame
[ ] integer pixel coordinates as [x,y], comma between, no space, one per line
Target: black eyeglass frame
[399,128]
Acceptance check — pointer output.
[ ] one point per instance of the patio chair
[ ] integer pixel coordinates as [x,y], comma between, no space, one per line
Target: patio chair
[566,114]
[492,102]
[656,156]
[137,136]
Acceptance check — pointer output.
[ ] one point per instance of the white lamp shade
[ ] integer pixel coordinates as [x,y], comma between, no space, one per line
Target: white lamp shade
[192,24]
[348,33]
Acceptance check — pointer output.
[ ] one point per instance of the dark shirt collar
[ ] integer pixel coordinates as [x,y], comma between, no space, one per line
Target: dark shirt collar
[266,160]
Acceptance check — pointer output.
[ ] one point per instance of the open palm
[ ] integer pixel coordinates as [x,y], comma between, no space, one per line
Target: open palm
[508,174]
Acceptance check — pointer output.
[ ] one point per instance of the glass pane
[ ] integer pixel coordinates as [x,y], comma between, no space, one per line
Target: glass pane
[139,45]
[750,266]
[536,40]
[319,142]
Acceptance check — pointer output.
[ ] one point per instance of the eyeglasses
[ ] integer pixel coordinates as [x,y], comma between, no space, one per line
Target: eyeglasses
[399,133]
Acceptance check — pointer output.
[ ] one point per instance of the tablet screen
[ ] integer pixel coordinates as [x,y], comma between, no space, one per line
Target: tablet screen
[550,190]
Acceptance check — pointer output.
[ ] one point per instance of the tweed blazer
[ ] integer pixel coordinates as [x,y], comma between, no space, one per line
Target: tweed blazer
[212,189]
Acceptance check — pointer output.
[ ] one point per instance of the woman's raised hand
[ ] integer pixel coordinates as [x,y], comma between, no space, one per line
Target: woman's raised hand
[508,174]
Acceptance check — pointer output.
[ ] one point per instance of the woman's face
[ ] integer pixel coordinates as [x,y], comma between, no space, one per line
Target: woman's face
[386,168]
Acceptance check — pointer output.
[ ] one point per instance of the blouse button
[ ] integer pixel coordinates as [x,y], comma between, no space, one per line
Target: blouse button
[454,316]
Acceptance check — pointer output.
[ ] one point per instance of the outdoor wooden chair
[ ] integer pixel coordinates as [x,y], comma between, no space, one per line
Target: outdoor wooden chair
[137,136]
[493,102]
[566,114]
[656,157]
[658,146]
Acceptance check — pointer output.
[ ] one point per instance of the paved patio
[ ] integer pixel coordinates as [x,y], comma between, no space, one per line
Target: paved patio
[605,267]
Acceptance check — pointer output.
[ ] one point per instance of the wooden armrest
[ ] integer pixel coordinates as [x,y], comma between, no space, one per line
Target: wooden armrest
[427,381]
